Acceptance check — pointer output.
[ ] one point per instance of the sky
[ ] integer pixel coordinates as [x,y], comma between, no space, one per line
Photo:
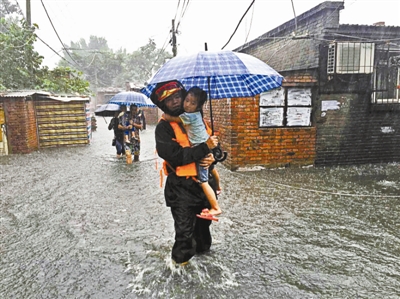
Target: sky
[129,24]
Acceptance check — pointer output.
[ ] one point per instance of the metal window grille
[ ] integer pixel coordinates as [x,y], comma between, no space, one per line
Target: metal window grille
[350,58]
[386,79]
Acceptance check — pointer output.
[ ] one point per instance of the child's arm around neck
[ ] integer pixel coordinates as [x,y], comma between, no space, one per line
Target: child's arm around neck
[168,117]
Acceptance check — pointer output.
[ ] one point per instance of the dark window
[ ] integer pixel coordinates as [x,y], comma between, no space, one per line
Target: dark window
[386,79]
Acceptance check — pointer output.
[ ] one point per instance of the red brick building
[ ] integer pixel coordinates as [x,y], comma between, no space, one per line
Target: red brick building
[339,102]
[32,120]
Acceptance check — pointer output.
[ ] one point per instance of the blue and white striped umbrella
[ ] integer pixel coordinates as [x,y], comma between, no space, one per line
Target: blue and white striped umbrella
[231,74]
[128,98]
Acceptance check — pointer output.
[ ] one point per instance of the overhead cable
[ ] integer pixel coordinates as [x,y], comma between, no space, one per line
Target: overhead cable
[251,23]
[20,12]
[62,44]
[238,24]
[55,52]
[183,11]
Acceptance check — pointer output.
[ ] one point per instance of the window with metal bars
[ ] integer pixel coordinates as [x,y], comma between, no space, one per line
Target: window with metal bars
[386,77]
[350,58]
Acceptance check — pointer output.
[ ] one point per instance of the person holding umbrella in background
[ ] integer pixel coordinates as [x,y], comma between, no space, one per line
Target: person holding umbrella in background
[183,195]
[123,125]
[118,140]
[137,121]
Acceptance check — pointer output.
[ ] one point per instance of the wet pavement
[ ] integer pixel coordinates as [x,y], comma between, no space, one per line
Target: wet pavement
[79,223]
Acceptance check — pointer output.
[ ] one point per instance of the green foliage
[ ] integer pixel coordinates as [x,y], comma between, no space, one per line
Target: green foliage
[19,63]
[21,67]
[7,9]
[141,64]
[65,80]
[94,59]
[84,63]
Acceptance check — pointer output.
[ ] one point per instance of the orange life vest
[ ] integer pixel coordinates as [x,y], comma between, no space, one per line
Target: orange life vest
[188,170]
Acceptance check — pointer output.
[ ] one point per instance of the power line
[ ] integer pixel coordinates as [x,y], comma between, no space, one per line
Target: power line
[295,18]
[238,24]
[53,50]
[251,23]
[177,8]
[22,15]
[183,11]
[62,44]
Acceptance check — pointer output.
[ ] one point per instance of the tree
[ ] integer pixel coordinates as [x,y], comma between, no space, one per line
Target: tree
[20,64]
[95,60]
[141,64]
[7,9]
[103,67]
[65,80]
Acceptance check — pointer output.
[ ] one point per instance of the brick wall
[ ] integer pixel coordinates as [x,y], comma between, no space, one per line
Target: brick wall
[222,122]
[357,132]
[21,125]
[151,115]
[236,122]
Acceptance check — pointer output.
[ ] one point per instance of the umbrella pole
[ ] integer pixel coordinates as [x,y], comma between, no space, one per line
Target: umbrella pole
[211,115]
[209,95]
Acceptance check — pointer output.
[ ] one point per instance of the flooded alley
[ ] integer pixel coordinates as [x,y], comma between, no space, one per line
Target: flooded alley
[79,223]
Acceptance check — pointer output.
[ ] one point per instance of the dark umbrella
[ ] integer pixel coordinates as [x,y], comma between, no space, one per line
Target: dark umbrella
[107,110]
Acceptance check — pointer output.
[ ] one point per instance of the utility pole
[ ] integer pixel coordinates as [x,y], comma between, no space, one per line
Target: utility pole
[174,50]
[28,12]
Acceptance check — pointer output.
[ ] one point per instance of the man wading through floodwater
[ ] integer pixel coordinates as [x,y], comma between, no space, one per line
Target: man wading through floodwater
[183,195]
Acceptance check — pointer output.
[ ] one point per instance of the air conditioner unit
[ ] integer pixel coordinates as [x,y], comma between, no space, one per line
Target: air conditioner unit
[350,58]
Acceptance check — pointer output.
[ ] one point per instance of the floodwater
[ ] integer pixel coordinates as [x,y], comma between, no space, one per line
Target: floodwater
[78,223]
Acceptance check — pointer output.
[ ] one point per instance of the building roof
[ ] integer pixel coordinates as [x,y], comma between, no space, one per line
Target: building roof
[42,94]
[335,6]
[295,45]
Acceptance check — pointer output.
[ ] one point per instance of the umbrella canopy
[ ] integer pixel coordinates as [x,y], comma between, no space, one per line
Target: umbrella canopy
[128,98]
[107,110]
[224,74]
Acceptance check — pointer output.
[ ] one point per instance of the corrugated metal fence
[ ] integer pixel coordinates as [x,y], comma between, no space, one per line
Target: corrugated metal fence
[61,123]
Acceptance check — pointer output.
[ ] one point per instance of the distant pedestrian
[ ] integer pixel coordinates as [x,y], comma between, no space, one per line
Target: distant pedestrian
[118,140]
[137,121]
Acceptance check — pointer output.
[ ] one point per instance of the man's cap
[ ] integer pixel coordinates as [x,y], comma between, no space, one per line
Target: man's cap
[168,89]
[165,89]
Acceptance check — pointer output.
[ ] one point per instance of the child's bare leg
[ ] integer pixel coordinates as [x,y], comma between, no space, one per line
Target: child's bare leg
[217,180]
[215,209]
